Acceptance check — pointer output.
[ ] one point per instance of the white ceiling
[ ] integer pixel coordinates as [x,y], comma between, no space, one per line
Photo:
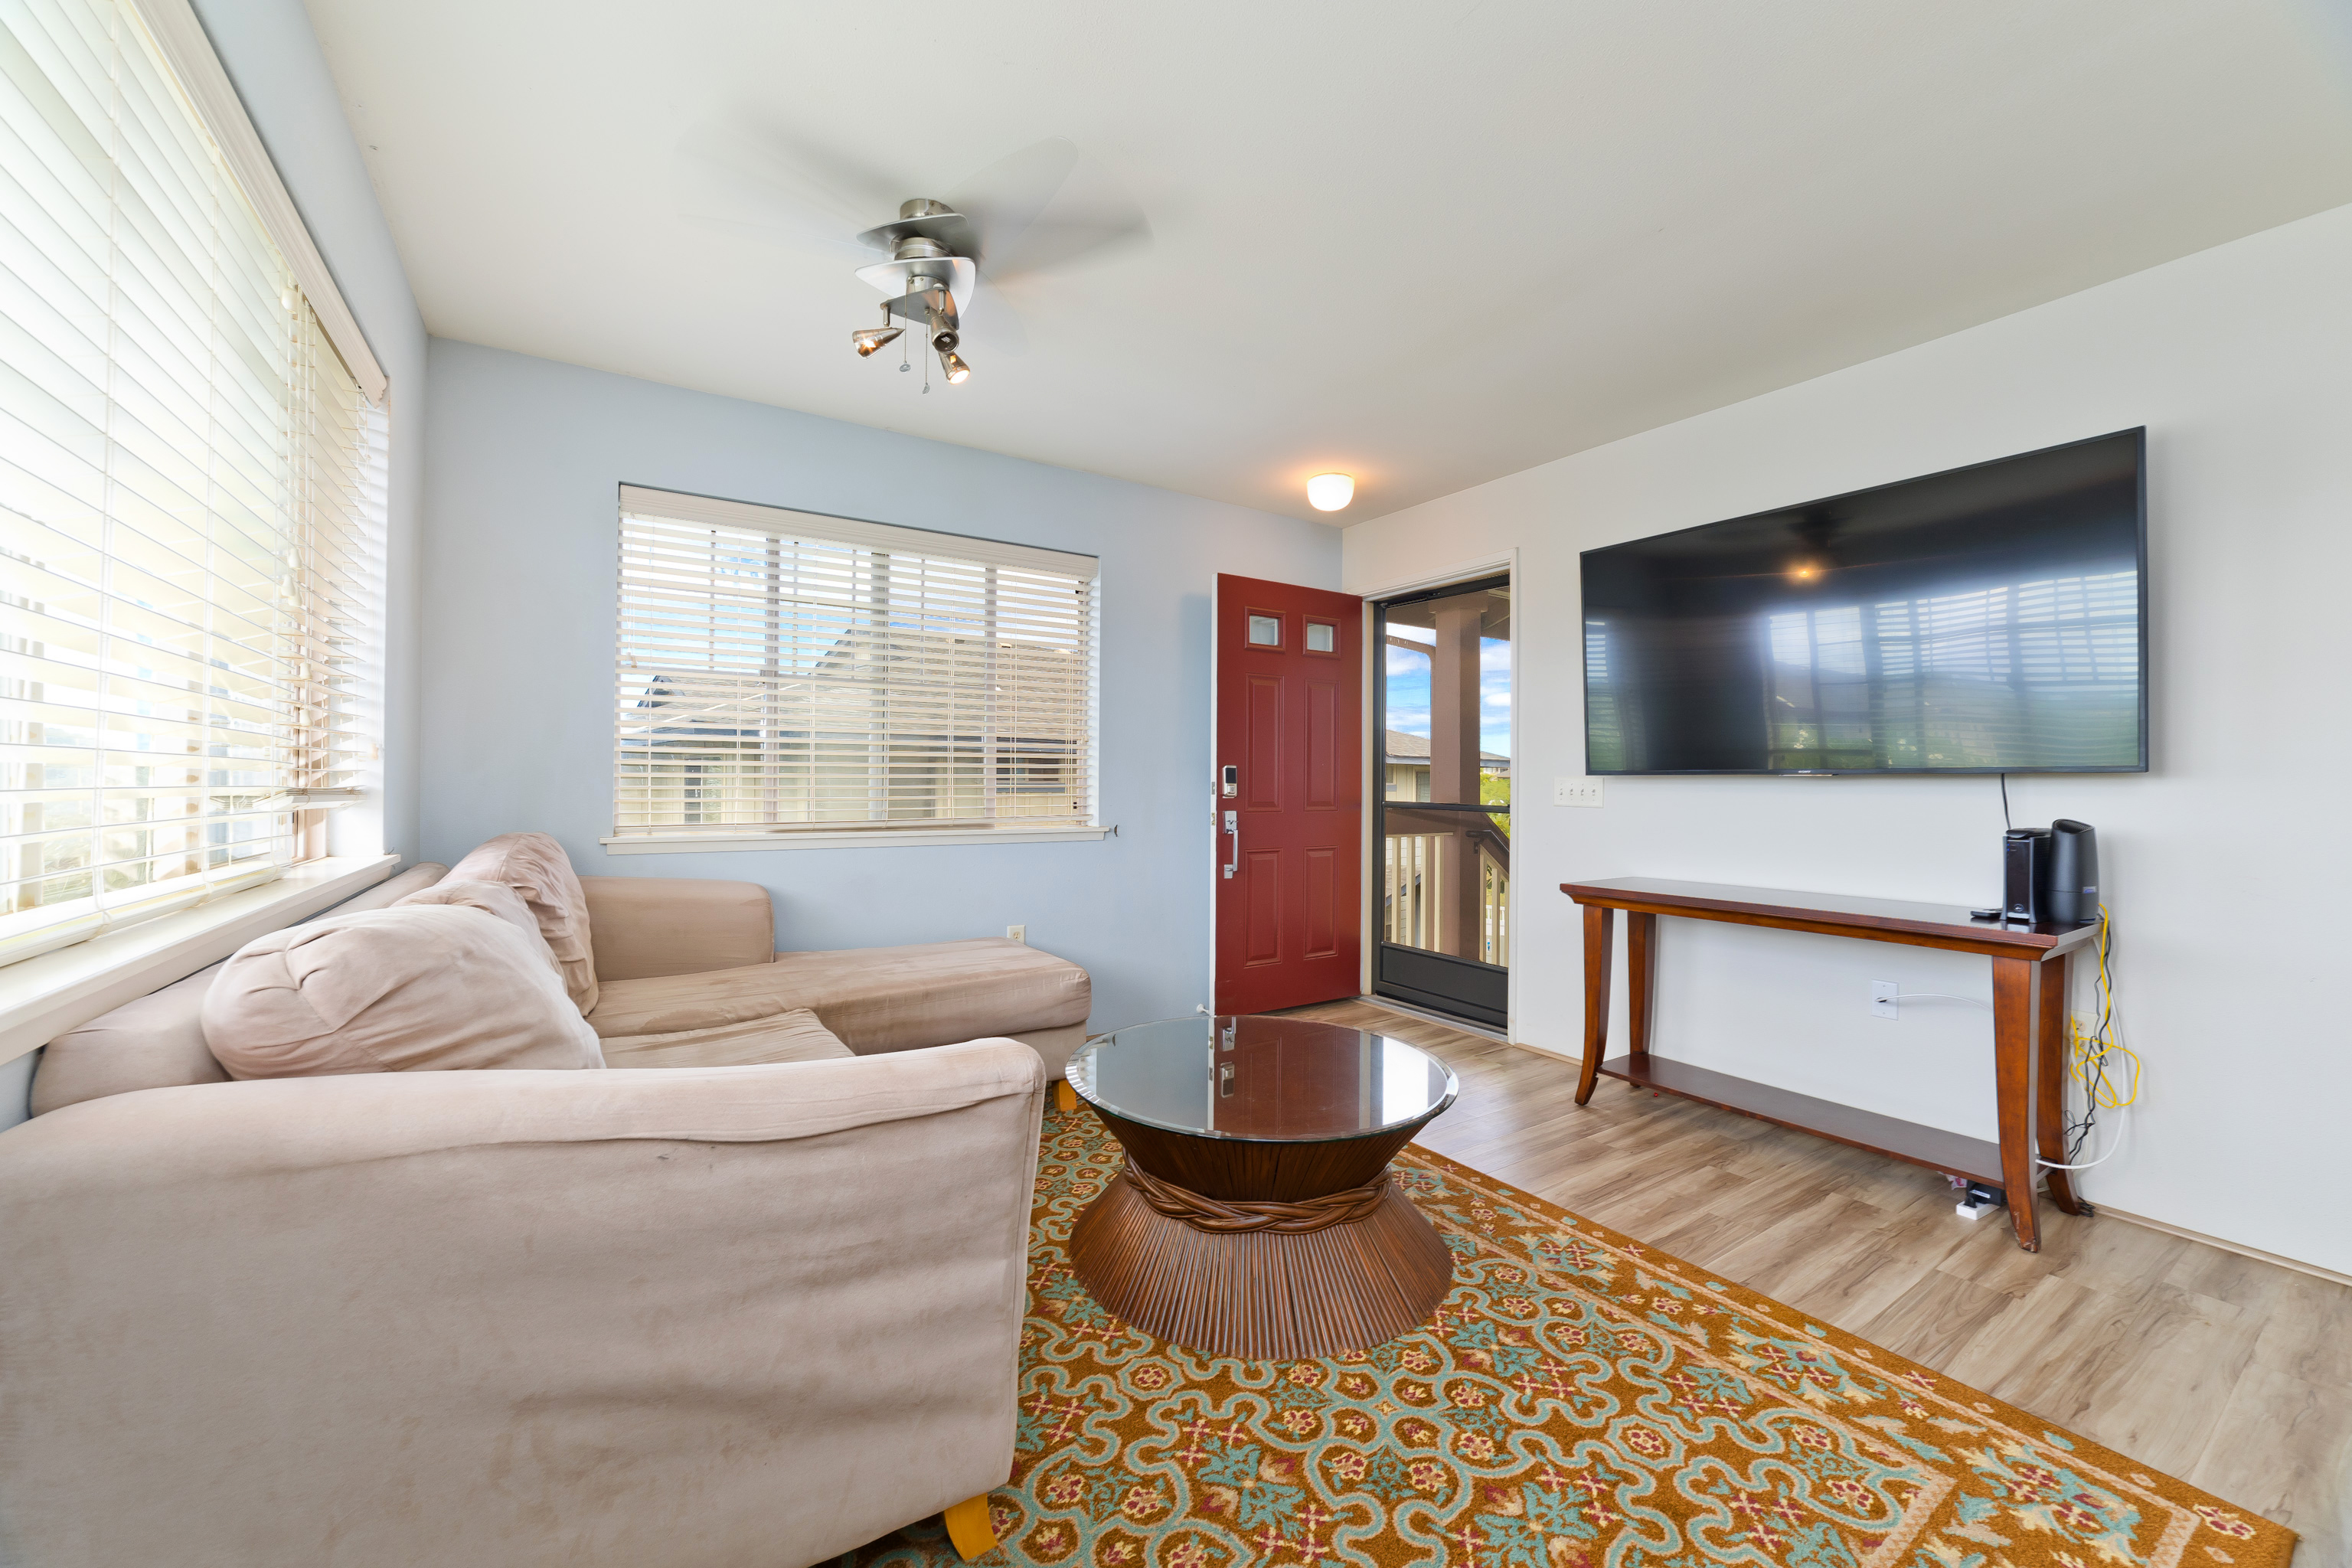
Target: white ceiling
[1429,244]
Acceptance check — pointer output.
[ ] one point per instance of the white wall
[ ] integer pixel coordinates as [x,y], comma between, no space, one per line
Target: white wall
[520,562]
[2226,866]
[273,58]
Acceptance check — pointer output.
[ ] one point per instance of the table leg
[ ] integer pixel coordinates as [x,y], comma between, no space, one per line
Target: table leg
[2012,1067]
[2050,1080]
[1599,926]
[1640,979]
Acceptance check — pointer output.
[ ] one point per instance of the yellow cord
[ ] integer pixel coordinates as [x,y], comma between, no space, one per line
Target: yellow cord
[2102,1046]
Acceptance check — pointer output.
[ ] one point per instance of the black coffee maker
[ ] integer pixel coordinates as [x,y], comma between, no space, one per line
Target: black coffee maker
[2050,875]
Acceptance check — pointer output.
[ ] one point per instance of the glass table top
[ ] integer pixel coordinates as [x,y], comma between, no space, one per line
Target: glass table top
[1290,1080]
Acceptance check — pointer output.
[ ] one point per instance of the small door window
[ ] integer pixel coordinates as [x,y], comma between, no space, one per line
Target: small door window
[1265,631]
[1322,637]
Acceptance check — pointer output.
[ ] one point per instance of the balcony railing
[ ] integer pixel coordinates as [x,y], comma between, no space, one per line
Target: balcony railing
[1408,876]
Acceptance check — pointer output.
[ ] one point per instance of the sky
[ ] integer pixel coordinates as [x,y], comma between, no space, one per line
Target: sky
[1408,688]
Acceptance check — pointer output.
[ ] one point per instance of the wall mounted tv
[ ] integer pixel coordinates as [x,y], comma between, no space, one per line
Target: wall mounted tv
[1992,619]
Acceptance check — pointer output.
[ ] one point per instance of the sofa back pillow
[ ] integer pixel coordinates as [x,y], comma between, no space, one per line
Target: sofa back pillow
[414,986]
[492,898]
[157,1041]
[536,866]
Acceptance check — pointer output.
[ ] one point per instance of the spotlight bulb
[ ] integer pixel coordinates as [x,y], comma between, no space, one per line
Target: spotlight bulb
[958,372]
[1329,493]
[865,340]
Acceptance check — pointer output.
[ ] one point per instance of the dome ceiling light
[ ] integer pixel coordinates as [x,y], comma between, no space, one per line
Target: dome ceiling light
[1331,492]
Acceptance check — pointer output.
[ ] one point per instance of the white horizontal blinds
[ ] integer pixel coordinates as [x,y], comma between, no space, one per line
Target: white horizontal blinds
[332,643]
[152,415]
[783,671]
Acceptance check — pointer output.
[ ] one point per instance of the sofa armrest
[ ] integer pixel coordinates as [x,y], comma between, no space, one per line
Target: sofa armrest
[643,927]
[693,1316]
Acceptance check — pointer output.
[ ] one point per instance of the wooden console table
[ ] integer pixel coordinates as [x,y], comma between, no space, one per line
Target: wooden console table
[2029,1025]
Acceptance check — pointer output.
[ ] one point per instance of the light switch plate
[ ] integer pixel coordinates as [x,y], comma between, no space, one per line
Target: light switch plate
[1569,789]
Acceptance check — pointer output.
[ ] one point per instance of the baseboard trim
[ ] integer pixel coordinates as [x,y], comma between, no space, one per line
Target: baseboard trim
[2243,1250]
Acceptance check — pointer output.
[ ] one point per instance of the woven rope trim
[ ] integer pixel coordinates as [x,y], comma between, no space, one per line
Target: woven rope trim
[1215,1214]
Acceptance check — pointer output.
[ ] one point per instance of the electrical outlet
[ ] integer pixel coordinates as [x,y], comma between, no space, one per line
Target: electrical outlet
[1569,790]
[1017,933]
[1885,999]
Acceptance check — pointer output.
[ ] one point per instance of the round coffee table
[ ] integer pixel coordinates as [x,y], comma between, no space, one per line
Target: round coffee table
[1254,1216]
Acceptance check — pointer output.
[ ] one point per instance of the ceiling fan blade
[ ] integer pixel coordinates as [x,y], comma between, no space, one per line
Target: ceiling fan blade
[1057,242]
[759,180]
[1004,198]
[1001,331]
[1049,205]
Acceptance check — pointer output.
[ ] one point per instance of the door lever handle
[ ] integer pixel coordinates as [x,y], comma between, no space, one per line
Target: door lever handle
[1233,827]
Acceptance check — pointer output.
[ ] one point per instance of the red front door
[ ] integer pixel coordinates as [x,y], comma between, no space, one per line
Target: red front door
[1289,794]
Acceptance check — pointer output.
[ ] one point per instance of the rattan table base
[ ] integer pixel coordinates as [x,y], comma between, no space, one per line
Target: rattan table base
[1265,1294]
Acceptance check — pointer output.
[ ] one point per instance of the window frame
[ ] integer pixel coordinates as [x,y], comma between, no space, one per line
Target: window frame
[679,506]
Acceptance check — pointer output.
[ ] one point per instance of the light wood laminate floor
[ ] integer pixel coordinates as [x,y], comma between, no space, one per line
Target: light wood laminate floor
[2232,1373]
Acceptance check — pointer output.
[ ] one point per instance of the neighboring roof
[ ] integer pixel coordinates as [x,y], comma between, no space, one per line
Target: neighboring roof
[1404,748]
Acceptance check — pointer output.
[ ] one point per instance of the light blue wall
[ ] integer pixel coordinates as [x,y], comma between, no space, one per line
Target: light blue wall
[520,555]
[274,59]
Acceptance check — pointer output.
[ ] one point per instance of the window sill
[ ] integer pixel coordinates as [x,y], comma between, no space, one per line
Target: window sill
[876,837]
[43,996]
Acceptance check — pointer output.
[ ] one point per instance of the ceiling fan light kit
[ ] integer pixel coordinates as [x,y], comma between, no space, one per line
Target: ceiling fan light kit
[865,340]
[923,279]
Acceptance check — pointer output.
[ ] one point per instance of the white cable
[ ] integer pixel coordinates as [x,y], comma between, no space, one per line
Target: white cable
[2123,1134]
[1903,996]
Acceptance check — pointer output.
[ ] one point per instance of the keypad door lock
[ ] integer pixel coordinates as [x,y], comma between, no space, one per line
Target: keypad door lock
[1229,781]
[1224,1081]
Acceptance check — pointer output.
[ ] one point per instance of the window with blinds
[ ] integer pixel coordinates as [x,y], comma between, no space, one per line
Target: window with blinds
[190,502]
[783,672]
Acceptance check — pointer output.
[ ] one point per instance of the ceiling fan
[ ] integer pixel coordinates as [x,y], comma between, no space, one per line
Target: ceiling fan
[1024,217]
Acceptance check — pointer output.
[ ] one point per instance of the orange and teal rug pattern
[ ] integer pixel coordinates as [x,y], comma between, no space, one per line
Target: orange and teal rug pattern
[1578,1401]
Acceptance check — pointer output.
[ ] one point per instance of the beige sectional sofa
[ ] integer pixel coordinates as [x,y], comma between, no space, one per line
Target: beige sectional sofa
[751,1294]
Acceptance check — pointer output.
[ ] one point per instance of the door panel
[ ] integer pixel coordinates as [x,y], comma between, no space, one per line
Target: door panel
[1262,882]
[1322,905]
[1289,722]
[1322,747]
[1262,763]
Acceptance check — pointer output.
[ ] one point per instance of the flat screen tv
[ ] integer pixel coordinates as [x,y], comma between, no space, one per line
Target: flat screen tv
[1992,619]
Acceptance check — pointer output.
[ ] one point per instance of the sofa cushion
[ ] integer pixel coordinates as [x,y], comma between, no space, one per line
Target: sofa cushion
[495,899]
[874,998]
[155,1042]
[647,926]
[158,1040]
[536,866]
[414,986]
[793,1037]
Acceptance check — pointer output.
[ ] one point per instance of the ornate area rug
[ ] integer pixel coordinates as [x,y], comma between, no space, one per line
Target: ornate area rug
[1578,1401]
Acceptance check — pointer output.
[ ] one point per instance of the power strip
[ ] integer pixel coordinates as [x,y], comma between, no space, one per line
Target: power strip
[1979,1201]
